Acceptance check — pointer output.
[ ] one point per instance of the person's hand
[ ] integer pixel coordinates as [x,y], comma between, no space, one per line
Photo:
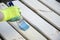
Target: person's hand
[11,14]
[1,16]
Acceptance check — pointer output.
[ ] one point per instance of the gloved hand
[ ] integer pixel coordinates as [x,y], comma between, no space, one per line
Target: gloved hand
[11,14]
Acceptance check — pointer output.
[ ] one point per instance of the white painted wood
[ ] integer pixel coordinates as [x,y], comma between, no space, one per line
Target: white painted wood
[39,23]
[46,13]
[8,32]
[0,39]
[53,4]
[30,34]
[2,6]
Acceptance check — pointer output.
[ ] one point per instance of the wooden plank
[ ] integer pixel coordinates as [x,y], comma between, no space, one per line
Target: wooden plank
[37,21]
[53,4]
[8,32]
[45,12]
[30,34]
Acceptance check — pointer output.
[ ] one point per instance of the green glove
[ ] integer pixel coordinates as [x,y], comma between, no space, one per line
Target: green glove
[11,14]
